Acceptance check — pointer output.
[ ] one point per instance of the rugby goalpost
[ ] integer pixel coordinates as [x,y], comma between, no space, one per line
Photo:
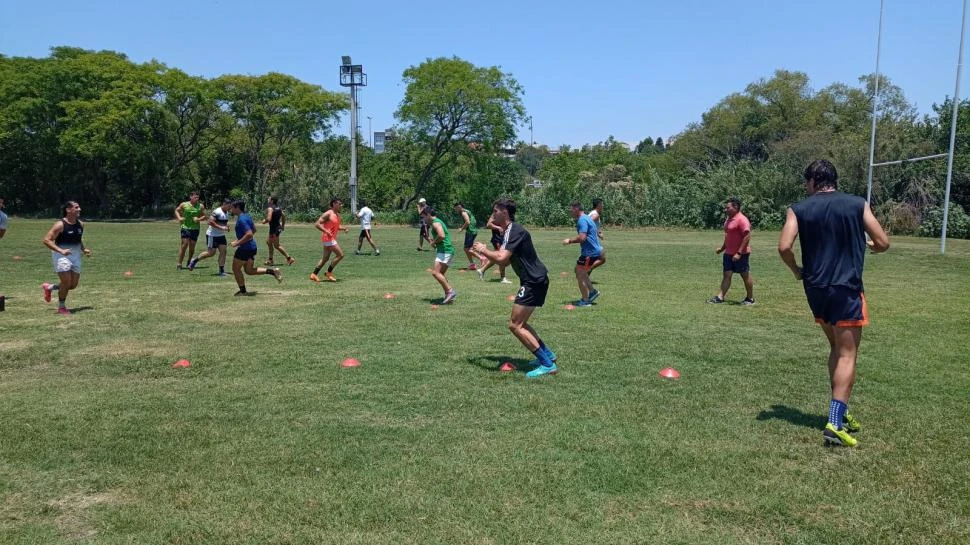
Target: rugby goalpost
[953,125]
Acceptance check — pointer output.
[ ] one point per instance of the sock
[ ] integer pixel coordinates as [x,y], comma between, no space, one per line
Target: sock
[61,303]
[55,287]
[330,269]
[543,357]
[242,288]
[837,411]
[268,271]
[222,268]
[316,270]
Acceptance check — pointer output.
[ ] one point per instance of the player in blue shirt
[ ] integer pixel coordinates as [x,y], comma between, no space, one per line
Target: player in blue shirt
[590,251]
[246,249]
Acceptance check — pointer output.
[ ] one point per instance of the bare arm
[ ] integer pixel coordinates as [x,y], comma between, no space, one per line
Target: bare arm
[243,239]
[178,212]
[744,244]
[500,256]
[269,216]
[202,214]
[879,241]
[51,235]
[786,243]
[580,238]
[320,222]
[439,234]
[464,216]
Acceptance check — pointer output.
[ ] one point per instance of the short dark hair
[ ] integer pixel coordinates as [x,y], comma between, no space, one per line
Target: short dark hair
[240,204]
[577,205]
[227,200]
[335,201]
[506,204]
[273,199]
[597,202]
[822,173]
[194,194]
[458,204]
[67,204]
[735,201]
[363,202]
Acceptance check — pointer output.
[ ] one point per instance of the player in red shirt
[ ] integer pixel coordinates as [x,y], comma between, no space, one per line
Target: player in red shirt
[736,250]
[329,224]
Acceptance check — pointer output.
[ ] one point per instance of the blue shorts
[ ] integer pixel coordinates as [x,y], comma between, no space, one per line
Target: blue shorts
[838,305]
[739,266]
[244,254]
[191,234]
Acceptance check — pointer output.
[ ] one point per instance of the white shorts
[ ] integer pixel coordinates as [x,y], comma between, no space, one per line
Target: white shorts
[329,243]
[67,263]
[443,258]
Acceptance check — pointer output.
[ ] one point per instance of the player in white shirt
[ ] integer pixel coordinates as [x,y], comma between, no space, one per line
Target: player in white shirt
[215,237]
[366,216]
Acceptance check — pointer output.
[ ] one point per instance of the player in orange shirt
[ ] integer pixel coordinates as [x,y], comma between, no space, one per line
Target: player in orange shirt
[329,224]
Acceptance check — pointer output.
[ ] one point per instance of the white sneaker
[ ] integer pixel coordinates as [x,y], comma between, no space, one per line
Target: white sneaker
[481,274]
[505,280]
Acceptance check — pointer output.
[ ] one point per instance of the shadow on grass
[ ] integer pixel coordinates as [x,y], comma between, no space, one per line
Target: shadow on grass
[493,363]
[794,416]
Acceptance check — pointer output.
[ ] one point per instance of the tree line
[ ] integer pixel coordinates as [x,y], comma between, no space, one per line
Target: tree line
[133,139]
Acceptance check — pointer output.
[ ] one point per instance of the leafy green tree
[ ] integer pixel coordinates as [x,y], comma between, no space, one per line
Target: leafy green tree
[454,108]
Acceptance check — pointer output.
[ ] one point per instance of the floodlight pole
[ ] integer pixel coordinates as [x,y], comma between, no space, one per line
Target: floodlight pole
[953,132]
[875,105]
[353,76]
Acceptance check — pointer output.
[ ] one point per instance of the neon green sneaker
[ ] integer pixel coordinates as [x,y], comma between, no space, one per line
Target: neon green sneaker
[850,423]
[841,437]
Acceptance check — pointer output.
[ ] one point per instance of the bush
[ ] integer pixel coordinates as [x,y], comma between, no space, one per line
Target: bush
[958,223]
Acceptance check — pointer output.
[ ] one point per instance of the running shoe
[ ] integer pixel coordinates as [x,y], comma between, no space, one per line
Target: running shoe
[715,300]
[330,277]
[841,437]
[63,310]
[278,274]
[481,274]
[192,263]
[850,423]
[221,274]
[314,277]
[505,281]
[542,370]
[47,292]
[449,297]
[583,303]
[593,295]
[268,263]
[290,260]
[377,252]
[472,267]
[747,301]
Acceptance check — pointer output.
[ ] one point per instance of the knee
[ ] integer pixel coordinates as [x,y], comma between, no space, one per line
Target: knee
[514,326]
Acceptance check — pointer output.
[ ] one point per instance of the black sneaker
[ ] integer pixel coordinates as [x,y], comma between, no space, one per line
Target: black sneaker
[715,299]
[747,301]
[241,293]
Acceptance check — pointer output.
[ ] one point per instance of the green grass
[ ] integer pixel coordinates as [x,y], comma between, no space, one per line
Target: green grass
[266,439]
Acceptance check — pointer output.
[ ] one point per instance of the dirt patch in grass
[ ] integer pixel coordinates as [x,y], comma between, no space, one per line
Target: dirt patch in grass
[72,519]
[126,349]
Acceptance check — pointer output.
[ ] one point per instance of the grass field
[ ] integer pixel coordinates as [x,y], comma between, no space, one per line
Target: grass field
[265,439]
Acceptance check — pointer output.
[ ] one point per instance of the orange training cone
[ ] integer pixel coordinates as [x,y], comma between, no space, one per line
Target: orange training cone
[350,362]
[182,364]
[669,372]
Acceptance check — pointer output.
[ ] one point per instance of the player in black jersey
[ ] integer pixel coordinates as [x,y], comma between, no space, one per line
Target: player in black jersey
[64,241]
[277,221]
[517,249]
[831,227]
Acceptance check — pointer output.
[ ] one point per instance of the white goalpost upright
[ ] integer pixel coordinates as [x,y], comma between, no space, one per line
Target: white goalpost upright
[953,125]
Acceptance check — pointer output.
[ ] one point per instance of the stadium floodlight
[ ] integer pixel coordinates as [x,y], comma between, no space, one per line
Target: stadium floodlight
[353,76]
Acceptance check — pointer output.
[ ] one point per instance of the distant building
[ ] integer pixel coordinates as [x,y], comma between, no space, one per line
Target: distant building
[382,139]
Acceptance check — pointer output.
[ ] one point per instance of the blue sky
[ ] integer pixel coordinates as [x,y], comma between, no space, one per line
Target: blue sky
[630,69]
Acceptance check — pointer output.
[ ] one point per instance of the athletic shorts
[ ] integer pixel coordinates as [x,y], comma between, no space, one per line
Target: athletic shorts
[364,233]
[532,294]
[67,263]
[739,266]
[442,257]
[191,234]
[469,239]
[424,229]
[275,234]
[586,261]
[213,242]
[244,254]
[329,243]
[838,306]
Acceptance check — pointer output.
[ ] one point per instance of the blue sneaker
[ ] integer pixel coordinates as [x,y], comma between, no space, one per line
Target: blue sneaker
[593,295]
[583,303]
[542,370]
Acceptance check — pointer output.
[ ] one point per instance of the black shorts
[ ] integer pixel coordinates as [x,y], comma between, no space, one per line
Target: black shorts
[424,228]
[191,234]
[363,234]
[838,305]
[213,242]
[739,266]
[532,294]
[586,261]
[244,254]
[469,239]
[275,233]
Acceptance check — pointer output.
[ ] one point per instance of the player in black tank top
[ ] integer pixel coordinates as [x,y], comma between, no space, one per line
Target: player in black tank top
[274,217]
[831,227]
[64,241]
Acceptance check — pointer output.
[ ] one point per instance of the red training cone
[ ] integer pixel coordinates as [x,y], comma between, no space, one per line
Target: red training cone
[669,372]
